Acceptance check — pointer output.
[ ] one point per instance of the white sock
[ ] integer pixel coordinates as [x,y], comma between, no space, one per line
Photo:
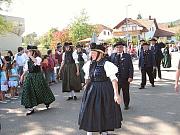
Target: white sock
[89,133]
[70,94]
[30,109]
[73,93]
[104,133]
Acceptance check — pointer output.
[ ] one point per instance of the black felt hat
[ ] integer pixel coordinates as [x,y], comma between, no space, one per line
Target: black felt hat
[153,39]
[119,43]
[79,46]
[32,47]
[59,45]
[145,43]
[142,40]
[98,48]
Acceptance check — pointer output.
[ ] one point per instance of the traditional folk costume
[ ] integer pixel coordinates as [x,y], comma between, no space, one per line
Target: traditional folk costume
[35,88]
[147,63]
[166,61]
[99,112]
[125,72]
[70,80]
[82,58]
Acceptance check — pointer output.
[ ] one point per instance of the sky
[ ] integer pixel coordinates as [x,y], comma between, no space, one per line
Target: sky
[41,15]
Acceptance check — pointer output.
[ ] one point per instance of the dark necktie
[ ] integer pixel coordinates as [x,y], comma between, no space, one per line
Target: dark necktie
[152,48]
[119,64]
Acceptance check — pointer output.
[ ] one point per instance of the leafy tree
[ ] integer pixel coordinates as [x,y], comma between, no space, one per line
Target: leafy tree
[114,40]
[47,39]
[5,26]
[139,16]
[61,36]
[80,29]
[8,1]
[44,41]
[31,39]
[178,35]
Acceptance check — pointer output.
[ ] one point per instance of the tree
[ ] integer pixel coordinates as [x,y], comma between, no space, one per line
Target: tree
[5,26]
[178,35]
[47,39]
[80,29]
[61,36]
[171,25]
[139,16]
[115,40]
[31,39]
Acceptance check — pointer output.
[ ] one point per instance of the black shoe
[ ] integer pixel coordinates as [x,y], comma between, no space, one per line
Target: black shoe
[153,85]
[126,107]
[75,98]
[142,87]
[47,106]
[70,98]
[30,112]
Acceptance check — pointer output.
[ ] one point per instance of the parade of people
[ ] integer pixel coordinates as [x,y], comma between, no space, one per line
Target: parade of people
[82,68]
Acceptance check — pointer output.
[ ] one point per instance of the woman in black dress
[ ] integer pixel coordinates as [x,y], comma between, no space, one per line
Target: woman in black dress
[71,82]
[100,109]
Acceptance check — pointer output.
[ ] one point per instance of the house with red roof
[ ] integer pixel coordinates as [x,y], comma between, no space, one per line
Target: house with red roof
[141,29]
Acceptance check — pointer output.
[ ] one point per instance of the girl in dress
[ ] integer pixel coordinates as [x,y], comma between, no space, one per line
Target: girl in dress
[13,79]
[35,88]
[100,109]
[3,81]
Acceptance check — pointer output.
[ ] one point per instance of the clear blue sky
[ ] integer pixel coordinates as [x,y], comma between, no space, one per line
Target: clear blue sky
[41,15]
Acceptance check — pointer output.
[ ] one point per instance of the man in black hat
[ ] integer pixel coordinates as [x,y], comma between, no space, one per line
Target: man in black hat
[125,71]
[156,49]
[146,65]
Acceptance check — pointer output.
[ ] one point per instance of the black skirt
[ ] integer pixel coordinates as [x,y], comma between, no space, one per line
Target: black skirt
[70,81]
[99,112]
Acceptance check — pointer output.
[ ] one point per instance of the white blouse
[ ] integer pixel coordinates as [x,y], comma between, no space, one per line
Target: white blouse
[74,55]
[109,68]
[38,62]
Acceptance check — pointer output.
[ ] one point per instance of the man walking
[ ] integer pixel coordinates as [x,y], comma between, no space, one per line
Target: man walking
[146,65]
[125,71]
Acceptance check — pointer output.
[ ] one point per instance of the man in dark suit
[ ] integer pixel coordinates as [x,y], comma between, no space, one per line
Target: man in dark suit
[156,49]
[125,71]
[146,65]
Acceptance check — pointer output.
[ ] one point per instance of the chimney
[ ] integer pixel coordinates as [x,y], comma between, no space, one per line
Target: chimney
[150,17]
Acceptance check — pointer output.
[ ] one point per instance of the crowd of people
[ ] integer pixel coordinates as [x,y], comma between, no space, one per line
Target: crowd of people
[100,70]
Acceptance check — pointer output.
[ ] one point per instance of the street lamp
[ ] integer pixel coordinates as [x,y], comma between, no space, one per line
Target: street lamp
[127,35]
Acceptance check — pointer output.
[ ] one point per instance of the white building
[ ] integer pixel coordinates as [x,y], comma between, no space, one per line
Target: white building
[140,29]
[12,40]
[103,32]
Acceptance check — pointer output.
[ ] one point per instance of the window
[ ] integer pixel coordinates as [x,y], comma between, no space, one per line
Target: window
[134,28]
[123,28]
[104,32]
[108,33]
[150,29]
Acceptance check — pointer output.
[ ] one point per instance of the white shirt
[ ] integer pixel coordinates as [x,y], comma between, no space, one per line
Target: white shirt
[109,68]
[74,55]
[20,60]
[1,63]
[38,62]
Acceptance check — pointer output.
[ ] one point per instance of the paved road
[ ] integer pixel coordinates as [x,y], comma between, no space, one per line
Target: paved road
[153,111]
